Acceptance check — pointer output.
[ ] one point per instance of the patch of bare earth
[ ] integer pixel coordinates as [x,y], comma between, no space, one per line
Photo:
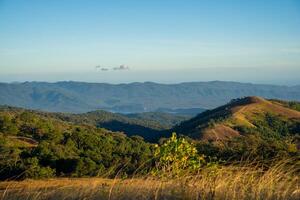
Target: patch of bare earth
[219,132]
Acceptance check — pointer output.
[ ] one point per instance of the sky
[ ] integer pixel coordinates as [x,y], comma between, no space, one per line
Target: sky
[163,41]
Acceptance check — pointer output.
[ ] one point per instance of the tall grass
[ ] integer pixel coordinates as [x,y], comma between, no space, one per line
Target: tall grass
[281,181]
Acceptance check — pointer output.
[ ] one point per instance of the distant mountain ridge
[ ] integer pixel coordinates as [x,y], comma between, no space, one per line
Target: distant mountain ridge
[79,97]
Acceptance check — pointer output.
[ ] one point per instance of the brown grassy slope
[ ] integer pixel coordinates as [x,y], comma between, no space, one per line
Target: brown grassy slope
[259,105]
[241,112]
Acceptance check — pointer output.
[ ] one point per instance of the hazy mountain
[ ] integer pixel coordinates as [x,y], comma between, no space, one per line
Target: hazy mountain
[134,97]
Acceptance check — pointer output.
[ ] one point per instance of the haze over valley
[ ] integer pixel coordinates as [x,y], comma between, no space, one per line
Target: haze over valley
[78,97]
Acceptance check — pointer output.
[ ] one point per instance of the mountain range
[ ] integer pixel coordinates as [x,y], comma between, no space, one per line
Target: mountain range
[181,98]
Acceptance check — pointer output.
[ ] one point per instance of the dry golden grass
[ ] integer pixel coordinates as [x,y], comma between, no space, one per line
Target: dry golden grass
[244,115]
[219,132]
[259,105]
[231,182]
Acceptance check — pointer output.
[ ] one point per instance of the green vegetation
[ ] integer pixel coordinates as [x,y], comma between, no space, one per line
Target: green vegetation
[150,126]
[177,156]
[273,134]
[295,105]
[56,148]
[166,119]
[35,144]
[252,148]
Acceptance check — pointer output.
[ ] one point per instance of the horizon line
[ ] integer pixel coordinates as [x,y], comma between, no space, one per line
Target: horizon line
[145,82]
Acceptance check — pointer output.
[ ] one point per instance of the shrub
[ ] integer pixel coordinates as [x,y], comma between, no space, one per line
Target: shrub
[177,156]
[34,170]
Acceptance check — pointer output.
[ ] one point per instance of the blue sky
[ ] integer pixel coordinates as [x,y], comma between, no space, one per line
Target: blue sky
[163,41]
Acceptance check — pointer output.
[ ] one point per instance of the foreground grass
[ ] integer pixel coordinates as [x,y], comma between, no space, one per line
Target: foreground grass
[278,182]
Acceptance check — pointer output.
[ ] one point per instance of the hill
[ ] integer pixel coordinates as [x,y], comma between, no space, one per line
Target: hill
[40,145]
[242,116]
[80,97]
[150,126]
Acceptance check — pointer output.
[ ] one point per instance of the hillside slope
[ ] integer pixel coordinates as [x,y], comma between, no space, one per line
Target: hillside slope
[150,126]
[242,116]
[36,145]
[79,97]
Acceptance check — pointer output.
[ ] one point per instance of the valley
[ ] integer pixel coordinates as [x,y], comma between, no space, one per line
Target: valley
[188,98]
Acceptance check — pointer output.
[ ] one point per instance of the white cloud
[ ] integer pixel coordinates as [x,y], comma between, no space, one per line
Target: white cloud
[121,67]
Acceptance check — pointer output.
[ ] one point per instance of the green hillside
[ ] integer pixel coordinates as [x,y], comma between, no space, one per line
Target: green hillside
[36,145]
[167,119]
[248,128]
[150,126]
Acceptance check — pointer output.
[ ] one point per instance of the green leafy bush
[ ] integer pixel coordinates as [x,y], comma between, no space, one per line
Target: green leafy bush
[34,170]
[177,156]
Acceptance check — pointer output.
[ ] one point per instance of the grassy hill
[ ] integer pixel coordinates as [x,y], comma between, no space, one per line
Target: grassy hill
[250,128]
[238,116]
